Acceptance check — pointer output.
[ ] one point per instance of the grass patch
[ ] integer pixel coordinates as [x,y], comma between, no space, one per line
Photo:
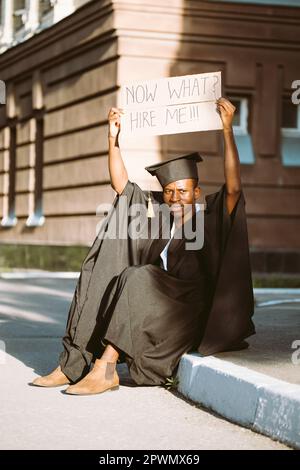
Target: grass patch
[276,280]
[49,258]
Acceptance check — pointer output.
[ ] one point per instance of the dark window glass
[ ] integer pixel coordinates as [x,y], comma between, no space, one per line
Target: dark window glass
[45,6]
[19,14]
[237,114]
[289,114]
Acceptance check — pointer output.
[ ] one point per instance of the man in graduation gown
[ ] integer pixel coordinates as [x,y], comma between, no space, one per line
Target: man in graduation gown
[147,300]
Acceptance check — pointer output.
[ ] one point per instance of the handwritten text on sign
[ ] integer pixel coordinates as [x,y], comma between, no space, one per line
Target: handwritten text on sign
[171,105]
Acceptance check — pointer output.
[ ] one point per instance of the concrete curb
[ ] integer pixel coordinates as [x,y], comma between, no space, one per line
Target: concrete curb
[276,290]
[262,403]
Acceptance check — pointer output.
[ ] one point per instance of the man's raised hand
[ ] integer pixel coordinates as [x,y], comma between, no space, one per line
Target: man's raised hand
[114,121]
[226,111]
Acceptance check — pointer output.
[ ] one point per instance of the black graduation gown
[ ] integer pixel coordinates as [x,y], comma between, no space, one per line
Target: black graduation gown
[204,302]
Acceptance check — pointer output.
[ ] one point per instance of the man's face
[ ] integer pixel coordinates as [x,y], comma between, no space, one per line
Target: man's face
[181,193]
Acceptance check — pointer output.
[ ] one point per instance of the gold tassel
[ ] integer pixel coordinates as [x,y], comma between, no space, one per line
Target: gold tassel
[150,210]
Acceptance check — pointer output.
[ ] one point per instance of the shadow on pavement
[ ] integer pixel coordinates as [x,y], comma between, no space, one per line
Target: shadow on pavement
[33,316]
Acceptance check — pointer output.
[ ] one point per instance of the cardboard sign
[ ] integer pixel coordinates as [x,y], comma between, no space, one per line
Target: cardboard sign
[171,105]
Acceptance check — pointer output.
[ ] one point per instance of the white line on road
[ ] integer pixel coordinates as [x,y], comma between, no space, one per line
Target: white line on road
[267,303]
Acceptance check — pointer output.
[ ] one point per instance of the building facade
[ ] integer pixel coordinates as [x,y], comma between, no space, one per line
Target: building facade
[63,63]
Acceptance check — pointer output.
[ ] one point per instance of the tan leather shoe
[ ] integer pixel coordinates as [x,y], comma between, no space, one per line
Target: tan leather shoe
[55,379]
[101,378]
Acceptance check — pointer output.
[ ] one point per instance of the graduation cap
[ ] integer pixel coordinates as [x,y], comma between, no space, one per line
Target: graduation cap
[181,168]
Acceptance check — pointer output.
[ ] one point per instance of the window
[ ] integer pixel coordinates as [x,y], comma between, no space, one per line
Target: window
[240,121]
[289,116]
[36,217]
[46,13]
[9,218]
[290,133]
[20,14]
[2,92]
[45,6]
[240,129]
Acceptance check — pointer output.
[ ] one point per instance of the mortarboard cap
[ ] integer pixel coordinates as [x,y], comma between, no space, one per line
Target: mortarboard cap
[177,169]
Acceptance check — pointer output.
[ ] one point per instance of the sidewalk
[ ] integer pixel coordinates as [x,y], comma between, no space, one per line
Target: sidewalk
[32,318]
